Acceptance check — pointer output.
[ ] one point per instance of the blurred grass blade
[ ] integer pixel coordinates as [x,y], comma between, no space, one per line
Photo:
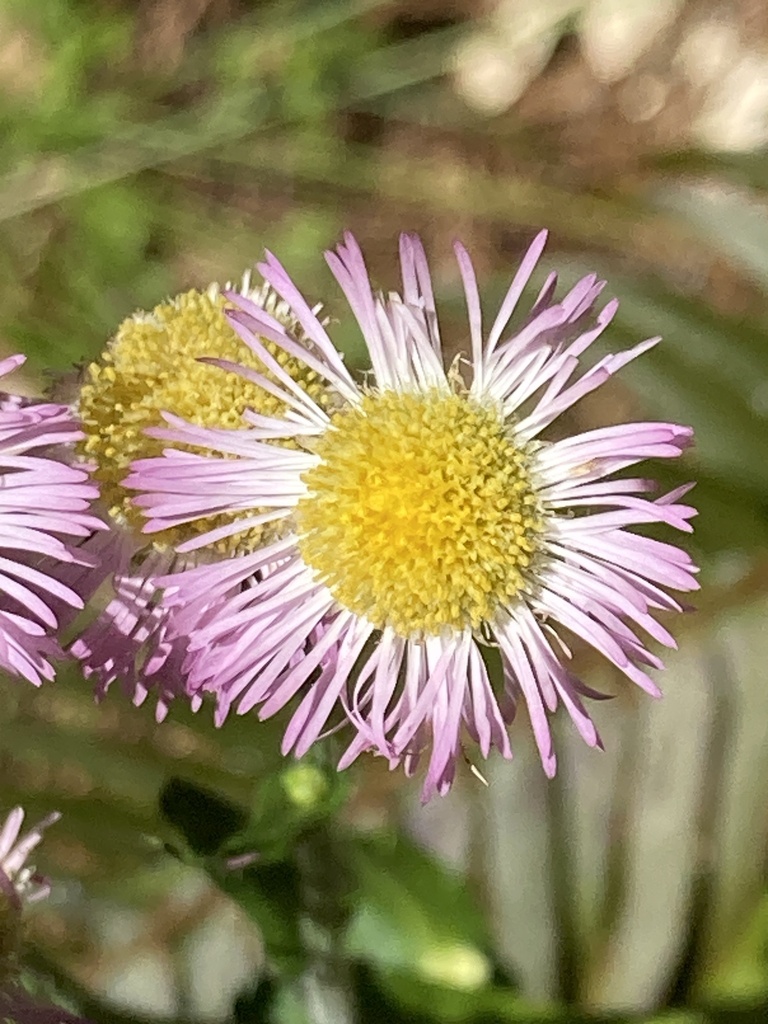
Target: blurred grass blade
[731,220]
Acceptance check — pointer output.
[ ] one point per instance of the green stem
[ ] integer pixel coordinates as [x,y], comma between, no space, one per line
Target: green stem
[326,986]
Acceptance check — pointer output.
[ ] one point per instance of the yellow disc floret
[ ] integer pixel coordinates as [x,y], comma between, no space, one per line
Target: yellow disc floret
[152,366]
[420,514]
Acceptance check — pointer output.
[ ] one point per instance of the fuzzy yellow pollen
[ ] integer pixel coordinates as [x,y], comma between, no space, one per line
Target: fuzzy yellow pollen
[420,514]
[152,366]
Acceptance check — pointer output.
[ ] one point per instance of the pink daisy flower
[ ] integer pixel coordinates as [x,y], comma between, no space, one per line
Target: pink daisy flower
[20,884]
[152,364]
[44,516]
[420,520]
[19,881]
[128,641]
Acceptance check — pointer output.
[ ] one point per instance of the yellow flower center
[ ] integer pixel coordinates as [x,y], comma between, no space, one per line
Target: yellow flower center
[152,366]
[421,513]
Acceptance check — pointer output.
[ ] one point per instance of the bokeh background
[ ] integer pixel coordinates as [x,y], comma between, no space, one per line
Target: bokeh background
[153,145]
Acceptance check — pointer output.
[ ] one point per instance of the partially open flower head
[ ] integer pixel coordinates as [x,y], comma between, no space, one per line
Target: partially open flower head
[423,520]
[161,362]
[19,882]
[44,517]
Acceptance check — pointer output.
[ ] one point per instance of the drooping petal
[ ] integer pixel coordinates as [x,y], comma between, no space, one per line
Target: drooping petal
[291,620]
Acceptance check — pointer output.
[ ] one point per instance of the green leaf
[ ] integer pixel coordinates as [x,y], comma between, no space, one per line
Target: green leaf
[444,1003]
[413,914]
[750,169]
[204,818]
[271,895]
[733,222]
[290,803]
[281,841]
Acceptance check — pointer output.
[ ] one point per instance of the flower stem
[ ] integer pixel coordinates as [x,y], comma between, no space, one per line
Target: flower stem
[326,986]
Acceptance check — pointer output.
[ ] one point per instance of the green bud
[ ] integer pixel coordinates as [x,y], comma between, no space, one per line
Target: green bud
[304,785]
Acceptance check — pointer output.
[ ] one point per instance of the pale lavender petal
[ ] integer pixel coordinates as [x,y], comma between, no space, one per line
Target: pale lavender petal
[44,517]
[261,630]
[18,880]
